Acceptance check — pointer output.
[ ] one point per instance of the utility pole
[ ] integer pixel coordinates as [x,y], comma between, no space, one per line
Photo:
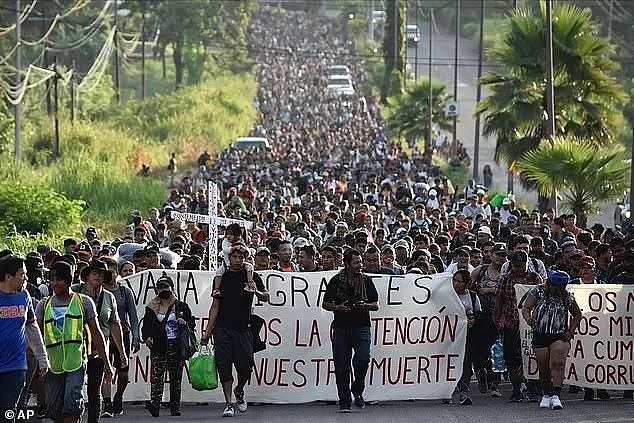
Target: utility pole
[404,29]
[476,141]
[18,78]
[396,25]
[416,50]
[550,95]
[550,90]
[56,99]
[73,104]
[610,19]
[48,83]
[371,22]
[632,180]
[454,145]
[143,81]
[430,97]
[117,84]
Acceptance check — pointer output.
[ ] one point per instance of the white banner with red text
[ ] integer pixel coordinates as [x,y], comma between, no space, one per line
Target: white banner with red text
[602,350]
[417,338]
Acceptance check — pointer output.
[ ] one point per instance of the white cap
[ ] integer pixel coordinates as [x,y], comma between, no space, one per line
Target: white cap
[484,230]
[506,202]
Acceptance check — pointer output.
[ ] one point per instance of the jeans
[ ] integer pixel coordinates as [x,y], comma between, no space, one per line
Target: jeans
[63,393]
[95,379]
[344,341]
[11,388]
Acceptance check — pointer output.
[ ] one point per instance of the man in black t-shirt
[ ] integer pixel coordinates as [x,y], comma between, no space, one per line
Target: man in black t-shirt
[229,321]
[351,295]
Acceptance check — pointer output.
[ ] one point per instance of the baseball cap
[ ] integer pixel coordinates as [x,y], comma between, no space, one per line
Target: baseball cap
[484,230]
[506,202]
[577,253]
[401,244]
[558,278]
[499,247]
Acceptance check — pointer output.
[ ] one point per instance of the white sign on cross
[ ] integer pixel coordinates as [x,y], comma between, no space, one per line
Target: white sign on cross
[213,220]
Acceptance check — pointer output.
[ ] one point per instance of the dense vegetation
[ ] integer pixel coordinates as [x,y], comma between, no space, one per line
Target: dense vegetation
[96,179]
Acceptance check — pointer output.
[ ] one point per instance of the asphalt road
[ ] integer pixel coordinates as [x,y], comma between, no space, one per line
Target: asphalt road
[484,409]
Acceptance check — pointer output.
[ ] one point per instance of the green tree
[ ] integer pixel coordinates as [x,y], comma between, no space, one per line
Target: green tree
[200,31]
[585,174]
[588,100]
[393,49]
[408,114]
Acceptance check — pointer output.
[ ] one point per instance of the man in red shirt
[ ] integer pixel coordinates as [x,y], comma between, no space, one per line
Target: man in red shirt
[506,317]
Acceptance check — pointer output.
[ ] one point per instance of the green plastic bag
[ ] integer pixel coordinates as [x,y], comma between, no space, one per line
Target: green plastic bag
[202,370]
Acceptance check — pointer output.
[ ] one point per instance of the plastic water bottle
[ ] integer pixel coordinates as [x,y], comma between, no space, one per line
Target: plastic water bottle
[497,355]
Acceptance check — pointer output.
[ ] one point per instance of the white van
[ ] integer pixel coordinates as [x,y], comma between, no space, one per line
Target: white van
[338,70]
[246,143]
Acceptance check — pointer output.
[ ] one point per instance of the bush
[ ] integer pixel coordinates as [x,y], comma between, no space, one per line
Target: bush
[35,209]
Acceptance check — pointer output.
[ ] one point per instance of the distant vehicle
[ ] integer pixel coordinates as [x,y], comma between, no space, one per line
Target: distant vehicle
[622,213]
[378,16]
[246,143]
[341,85]
[343,90]
[338,70]
[413,36]
[343,80]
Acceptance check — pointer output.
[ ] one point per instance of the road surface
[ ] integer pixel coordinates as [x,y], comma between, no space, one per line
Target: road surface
[484,409]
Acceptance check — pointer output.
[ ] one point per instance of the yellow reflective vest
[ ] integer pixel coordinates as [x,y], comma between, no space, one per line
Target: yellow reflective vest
[65,347]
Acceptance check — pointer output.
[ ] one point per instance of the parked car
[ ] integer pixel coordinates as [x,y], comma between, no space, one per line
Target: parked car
[413,36]
[246,143]
[378,16]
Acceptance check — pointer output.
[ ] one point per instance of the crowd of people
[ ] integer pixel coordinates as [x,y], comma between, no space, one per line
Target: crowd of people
[331,193]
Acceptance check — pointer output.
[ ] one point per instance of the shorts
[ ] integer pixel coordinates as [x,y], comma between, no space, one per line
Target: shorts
[114,351]
[63,393]
[233,348]
[512,347]
[545,340]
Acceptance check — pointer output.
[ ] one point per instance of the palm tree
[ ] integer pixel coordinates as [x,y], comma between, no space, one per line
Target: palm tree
[583,173]
[588,100]
[408,114]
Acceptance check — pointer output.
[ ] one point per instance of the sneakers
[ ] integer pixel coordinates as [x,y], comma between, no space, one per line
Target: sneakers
[229,411]
[107,410]
[117,405]
[495,392]
[555,403]
[344,408]
[545,402]
[516,396]
[240,402]
[359,402]
[465,399]
[482,381]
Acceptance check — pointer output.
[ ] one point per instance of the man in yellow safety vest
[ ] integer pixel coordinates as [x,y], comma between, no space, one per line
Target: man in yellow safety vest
[64,319]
